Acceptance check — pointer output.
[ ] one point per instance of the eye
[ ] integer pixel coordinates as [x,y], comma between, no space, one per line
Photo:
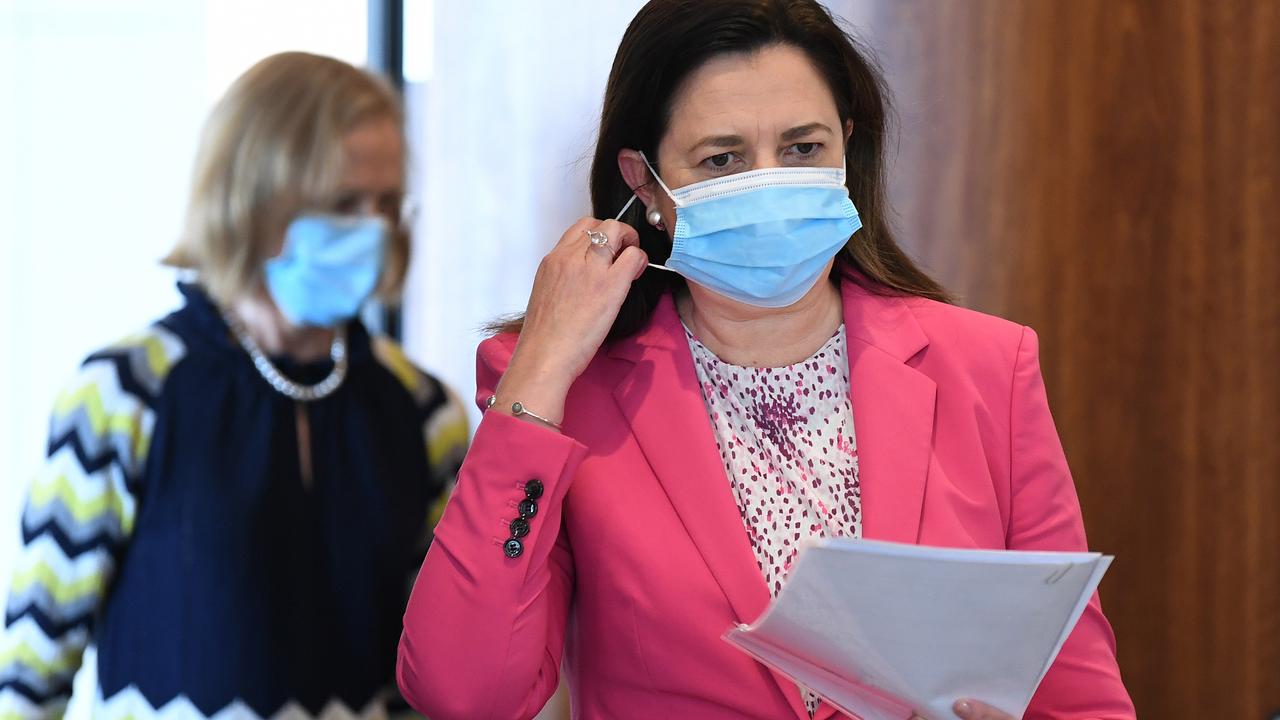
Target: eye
[805,149]
[389,205]
[720,162]
[346,204]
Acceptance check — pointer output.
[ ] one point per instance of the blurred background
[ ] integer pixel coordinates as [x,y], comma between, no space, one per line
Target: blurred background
[1105,171]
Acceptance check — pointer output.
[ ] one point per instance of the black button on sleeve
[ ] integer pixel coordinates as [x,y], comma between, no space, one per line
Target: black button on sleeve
[533,489]
[528,508]
[519,528]
[513,548]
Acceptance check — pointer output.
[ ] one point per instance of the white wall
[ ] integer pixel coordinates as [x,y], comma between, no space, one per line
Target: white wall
[98,115]
[504,127]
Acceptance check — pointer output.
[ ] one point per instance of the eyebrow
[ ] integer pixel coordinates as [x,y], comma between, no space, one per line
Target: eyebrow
[728,141]
[798,132]
[719,141]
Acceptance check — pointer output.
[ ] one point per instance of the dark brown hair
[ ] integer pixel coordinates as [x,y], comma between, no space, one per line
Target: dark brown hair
[665,43]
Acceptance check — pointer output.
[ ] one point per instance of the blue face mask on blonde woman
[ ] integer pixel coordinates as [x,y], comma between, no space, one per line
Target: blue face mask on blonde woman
[328,267]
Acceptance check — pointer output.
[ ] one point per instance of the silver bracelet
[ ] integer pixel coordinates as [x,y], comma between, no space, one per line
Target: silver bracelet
[518,409]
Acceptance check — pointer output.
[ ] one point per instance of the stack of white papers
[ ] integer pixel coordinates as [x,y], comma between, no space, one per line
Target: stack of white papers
[881,630]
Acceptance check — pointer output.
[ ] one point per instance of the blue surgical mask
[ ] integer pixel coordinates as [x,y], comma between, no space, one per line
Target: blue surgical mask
[329,266]
[762,237]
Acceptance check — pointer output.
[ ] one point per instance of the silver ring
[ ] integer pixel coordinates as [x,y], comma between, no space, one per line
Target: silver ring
[598,238]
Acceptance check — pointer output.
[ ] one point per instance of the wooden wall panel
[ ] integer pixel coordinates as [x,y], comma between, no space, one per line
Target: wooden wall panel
[1108,171]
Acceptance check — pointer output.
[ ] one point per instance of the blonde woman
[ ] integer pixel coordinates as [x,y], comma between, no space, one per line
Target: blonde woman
[236,498]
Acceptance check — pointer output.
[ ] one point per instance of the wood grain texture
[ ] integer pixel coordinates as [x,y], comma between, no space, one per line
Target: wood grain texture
[1108,172]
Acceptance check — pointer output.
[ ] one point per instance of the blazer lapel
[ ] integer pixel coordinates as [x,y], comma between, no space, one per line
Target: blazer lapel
[661,399]
[893,411]
[663,403]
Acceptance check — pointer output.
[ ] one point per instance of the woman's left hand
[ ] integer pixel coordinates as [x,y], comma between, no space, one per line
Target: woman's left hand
[974,710]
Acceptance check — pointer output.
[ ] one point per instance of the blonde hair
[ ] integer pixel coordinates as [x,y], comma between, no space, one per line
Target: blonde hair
[272,148]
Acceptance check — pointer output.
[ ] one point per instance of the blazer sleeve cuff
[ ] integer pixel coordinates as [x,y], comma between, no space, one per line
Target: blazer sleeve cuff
[510,492]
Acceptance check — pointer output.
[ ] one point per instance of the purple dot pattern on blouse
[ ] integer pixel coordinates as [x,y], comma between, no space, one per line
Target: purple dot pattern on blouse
[789,449]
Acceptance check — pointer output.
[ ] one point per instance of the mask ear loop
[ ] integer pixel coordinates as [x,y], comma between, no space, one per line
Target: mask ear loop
[626,207]
[633,197]
[658,177]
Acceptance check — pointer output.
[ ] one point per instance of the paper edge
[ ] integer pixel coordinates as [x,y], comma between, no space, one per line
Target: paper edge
[1090,587]
[742,637]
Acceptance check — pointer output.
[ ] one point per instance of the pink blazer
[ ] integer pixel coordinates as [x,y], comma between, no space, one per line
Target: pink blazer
[637,560]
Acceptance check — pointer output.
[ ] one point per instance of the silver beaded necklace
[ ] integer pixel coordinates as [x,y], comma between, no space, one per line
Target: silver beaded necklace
[282,384]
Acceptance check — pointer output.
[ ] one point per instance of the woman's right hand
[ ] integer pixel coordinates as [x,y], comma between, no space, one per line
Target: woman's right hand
[576,296]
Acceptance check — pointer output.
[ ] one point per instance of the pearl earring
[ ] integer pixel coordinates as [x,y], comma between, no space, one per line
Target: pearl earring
[654,216]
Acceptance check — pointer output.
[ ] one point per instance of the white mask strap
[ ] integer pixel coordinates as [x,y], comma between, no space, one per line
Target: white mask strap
[632,199]
[657,177]
[624,209]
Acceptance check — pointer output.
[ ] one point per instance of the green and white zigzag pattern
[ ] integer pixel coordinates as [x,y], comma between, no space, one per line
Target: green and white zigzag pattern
[79,513]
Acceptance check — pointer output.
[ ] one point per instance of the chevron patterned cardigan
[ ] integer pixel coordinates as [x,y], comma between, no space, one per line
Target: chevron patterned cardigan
[171,526]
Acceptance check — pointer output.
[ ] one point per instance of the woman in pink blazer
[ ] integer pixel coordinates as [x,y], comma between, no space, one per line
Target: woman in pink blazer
[614,511]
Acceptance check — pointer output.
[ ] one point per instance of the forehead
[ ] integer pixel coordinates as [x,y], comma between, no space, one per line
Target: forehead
[750,94]
[374,153]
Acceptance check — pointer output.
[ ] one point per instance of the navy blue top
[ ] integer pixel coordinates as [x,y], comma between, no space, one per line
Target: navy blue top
[232,578]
